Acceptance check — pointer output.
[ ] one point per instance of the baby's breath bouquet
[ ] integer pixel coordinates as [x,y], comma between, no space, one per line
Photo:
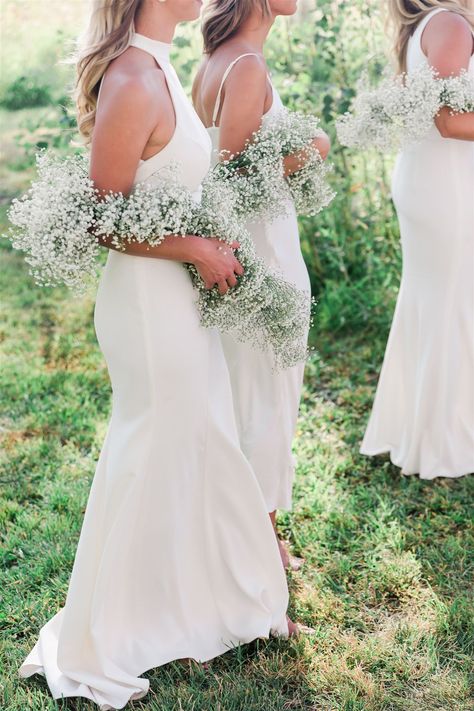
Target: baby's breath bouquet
[457,93]
[59,221]
[152,211]
[257,173]
[264,309]
[400,109]
[53,220]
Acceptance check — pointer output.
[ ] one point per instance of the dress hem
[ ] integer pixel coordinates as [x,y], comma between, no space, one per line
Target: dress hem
[37,668]
[286,502]
[387,449]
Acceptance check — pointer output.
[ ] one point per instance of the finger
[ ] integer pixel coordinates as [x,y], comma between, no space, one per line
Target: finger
[235,245]
[238,268]
[209,284]
[223,287]
[231,280]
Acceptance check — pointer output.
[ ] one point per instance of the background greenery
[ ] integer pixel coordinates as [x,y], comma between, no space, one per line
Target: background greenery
[388,559]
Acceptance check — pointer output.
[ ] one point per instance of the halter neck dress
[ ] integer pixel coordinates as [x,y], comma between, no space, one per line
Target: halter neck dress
[266,402]
[423,413]
[177,556]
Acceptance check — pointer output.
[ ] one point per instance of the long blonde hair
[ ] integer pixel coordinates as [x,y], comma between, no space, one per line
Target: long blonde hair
[406,14]
[111,26]
[223,18]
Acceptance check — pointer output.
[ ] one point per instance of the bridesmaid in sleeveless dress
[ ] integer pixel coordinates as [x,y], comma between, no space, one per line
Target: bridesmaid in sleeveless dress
[423,413]
[176,557]
[233,94]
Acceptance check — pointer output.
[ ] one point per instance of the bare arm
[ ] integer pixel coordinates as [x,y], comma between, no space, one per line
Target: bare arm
[130,112]
[243,108]
[447,42]
[295,162]
[243,104]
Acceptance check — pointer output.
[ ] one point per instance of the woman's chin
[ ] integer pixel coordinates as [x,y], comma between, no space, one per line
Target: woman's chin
[197,9]
[284,8]
[191,11]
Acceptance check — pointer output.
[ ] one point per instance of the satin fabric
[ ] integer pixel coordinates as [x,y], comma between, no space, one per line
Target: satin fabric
[267,401]
[423,413]
[177,556]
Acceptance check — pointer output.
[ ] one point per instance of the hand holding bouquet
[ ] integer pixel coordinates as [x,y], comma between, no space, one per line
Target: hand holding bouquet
[400,110]
[263,309]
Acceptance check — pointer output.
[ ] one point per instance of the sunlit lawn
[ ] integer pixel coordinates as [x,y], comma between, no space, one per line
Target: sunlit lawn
[388,559]
[388,577]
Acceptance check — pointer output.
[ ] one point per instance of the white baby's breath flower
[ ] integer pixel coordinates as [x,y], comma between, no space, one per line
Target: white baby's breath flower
[457,93]
[257,173]
[59,221]
[152,211]
[264,309]
[401,109]
[52,223]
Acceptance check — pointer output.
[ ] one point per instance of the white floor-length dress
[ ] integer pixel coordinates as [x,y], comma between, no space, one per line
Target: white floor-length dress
[267,401]
[177,556]
[423,413]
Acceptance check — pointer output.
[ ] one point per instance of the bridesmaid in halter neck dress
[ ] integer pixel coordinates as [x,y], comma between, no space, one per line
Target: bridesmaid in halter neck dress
[423,414]
[233,94]
[177,557]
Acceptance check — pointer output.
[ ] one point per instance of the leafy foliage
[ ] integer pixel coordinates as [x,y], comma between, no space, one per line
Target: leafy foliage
[388,558]
[351,248]
[386,577]
[25,92]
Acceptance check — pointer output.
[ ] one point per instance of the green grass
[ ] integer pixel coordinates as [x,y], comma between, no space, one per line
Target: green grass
[388,559]
[388,576]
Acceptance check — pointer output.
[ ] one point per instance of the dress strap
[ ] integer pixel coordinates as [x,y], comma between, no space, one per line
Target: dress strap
[217,105]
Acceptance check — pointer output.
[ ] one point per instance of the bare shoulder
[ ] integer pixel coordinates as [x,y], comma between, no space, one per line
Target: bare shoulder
[134,85]
[250,64]
[447,27]
[247,71]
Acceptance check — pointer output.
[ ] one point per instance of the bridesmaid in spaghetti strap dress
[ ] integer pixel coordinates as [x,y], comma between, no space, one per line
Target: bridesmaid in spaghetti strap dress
[177,557]
[233,94]
[423,414]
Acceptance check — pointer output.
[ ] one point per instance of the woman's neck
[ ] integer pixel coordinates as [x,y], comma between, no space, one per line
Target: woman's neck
[254,31]
[156,23]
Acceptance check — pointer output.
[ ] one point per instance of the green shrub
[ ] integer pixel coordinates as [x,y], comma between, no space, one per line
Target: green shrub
[54,128]
[352,248]
[26,92]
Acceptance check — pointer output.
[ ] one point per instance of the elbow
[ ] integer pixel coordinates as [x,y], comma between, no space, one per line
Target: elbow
[323,145]
[444,129]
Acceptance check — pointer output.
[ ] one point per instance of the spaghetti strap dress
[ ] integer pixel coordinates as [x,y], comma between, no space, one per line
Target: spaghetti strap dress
[266,401]
[177,556]
[423,413]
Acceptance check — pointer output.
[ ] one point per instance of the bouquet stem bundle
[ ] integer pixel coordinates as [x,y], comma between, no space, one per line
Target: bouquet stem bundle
[400,110]
[61,218]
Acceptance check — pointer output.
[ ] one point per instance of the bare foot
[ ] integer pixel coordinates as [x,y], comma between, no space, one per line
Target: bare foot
[295,562]
[285,558]
[292,627]
[288,560]
[295,629]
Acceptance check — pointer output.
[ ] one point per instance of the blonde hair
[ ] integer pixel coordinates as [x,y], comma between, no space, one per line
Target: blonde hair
[111,26]
[223,18]
[406,14]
